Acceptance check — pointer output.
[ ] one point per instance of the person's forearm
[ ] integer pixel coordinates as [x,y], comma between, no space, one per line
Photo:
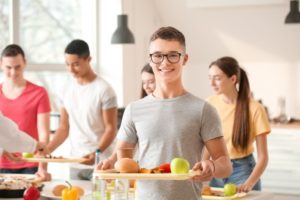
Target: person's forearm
[113,157]
[258,170]
[120,145]
[44,138]
[205,154]
[43,166]
[59,137]
[223,167]
[107,138]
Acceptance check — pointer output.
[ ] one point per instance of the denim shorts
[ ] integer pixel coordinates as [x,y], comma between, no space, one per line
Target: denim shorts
[242,168]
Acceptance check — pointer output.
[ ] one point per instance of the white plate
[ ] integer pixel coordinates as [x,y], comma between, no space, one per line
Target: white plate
[47,189]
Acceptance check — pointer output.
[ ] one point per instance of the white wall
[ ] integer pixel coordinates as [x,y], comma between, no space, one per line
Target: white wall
[121,64]
[256,35]
[143,20]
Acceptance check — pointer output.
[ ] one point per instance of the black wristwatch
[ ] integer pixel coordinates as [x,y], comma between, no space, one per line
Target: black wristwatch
[98,150]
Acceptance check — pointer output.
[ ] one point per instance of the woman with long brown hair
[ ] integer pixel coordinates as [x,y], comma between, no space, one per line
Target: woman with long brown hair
[148,80]
[244,122]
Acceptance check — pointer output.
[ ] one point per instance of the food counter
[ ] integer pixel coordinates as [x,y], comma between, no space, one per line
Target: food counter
[86,186]
[253,195]
[282,174]
[47,192]
[292,125]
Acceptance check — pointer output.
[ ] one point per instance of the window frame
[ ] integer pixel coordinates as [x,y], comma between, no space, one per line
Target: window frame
[14,37]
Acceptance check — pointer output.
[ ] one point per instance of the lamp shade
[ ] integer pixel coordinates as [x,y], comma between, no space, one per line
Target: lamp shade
[122,35]
[294,14]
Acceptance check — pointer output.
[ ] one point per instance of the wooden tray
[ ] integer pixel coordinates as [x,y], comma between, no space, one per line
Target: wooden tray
[59,160]
[220,195]
[113,174]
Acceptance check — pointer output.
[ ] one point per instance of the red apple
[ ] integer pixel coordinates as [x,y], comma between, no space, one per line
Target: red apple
[165,168]
[31,193]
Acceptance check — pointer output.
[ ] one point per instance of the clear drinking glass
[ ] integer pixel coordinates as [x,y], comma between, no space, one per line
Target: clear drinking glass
[121,189]
[99,185]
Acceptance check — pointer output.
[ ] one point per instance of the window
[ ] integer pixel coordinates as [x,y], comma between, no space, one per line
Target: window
[44,27]
[4,22]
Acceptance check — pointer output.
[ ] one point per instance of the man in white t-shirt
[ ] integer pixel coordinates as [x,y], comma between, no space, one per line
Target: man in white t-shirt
[88,113]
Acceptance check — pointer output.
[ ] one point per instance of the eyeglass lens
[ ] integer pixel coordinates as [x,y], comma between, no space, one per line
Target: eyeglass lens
[158,58]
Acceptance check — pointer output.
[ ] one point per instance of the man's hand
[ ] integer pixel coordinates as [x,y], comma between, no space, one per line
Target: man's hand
[89,159]
[105,164]
[245,187]
[207,170]
[41,149]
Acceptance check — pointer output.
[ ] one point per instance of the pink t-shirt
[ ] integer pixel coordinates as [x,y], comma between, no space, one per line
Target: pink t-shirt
[24,111]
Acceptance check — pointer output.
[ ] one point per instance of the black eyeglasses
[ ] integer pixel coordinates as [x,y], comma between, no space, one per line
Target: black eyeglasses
[172,57]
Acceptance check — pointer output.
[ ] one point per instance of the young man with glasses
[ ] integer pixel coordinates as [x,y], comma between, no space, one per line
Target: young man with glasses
[172,123]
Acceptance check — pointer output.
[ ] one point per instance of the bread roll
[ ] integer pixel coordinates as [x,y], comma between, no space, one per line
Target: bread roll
[127,165]
[57,190]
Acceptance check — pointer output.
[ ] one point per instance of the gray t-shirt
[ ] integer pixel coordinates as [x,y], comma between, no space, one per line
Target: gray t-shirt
[165,129]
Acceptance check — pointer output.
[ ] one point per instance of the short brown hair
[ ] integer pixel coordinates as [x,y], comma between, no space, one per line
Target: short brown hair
[169,33]
[12,50]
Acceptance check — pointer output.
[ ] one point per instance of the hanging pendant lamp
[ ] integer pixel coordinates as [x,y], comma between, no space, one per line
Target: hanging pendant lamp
[294,14]
[122,35]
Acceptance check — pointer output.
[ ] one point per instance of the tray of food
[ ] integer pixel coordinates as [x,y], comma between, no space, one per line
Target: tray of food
[142,176]
[127,168]
[14,185]
[219,194]
[59,159]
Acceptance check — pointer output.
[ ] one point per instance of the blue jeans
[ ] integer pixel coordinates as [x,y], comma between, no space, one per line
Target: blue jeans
[32,170]
[242,168]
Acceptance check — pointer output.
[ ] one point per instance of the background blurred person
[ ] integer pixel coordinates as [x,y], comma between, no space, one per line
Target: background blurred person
[26,104]
[148,80]
[88,114]
[244,122]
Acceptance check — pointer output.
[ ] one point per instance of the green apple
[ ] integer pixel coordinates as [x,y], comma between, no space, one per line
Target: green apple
[180,166]
[230,189]
[27,155]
